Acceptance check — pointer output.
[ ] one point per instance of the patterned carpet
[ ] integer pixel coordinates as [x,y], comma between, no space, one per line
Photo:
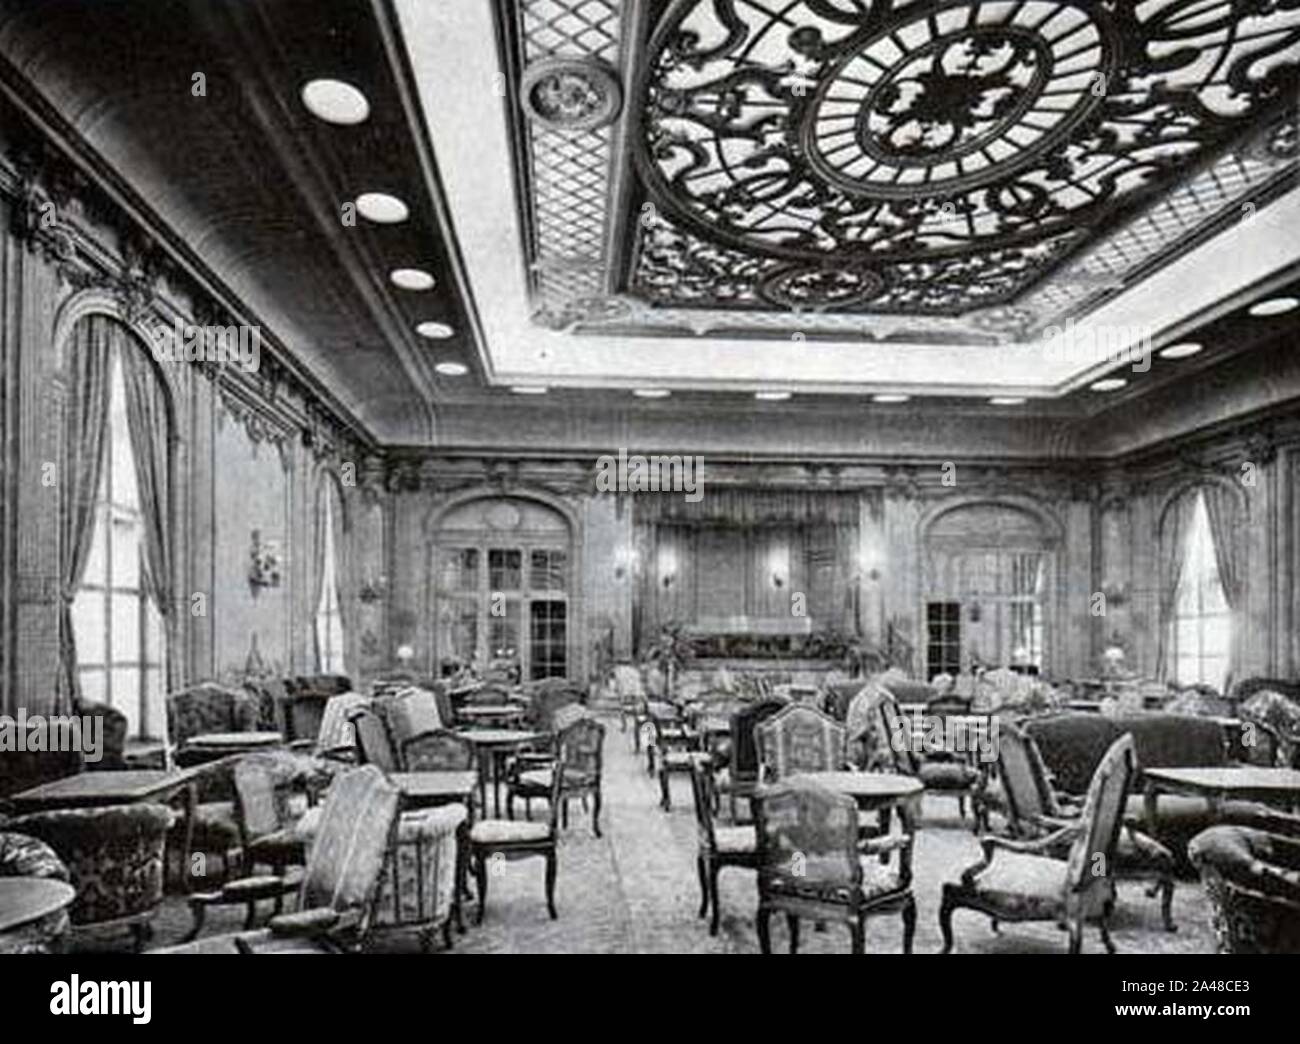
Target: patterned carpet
[635,891]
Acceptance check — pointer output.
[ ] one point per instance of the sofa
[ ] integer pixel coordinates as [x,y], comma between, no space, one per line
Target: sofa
[1072,745]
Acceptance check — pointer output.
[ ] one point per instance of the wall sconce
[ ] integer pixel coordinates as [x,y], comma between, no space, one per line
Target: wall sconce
[625,562]
[869,565]
[265,563]
[372,588]
[667,567]
[1116,594]
[668,579]
[405,654]
[778,581]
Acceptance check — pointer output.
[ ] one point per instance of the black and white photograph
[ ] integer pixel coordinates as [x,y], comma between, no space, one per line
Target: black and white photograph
[656,477]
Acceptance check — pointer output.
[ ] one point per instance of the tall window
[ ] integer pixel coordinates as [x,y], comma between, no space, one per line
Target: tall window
[1202,625]
[329,614]
[118,629]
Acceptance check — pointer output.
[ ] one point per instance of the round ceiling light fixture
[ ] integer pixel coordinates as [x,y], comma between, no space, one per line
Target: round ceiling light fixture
[772,396]
[651,393]
[529,389]
[890,399]
[1007,400]
[1275,306]
[1181,351]
[335,102]
[452,369]
[1110,384]
[412,279]
[434,331]
[381,208]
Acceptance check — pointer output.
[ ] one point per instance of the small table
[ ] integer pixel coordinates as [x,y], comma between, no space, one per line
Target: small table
[871,790]
[223,743]
[499,712]
[1217,785]
[491,745]
[95,789]
[27,899]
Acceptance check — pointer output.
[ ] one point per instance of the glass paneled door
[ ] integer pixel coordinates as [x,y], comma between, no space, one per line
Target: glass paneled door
[503,608]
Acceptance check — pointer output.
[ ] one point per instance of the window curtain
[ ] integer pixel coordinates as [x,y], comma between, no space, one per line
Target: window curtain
[148,421]
[328,500]
[1173,540]
[1223,509]
[342,574]
[85,422]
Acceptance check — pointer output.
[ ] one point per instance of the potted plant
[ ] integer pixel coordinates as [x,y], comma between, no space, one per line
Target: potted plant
[668,654]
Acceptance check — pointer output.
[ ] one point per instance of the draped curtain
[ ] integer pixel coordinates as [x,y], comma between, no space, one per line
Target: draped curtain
[148,421]
[85,423]
[1172,549]
[1223,509]
[328,500]
[342,572]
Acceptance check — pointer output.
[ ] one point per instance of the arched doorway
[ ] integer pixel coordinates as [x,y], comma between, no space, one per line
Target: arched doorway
[988,577]
[501,584]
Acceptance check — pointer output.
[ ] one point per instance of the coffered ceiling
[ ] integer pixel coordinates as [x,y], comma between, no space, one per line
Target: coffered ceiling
[856,195]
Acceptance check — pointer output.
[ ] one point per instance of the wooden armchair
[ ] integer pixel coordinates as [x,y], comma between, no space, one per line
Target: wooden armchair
[1028,881]
[670,743]
[338,888]
[1032,809]
[719,847]
[439,750]
[743,770]
[579,755]
[940,775]
[811,864]
[374,742]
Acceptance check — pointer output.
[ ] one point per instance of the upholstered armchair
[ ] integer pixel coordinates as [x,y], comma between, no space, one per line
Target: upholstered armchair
[113,755]
[265,787]
[23,856]
[336,738]
[799,738]
[1252,879]
[408,713]
[1028,880]
[1032,809]
[114,857]
[338,889]
[940,775]
[1279,713]
[417,887]
[811,864]
[212,707]
[719,846]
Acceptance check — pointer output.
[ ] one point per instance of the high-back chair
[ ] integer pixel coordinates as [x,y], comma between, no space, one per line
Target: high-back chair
[374,743]
[1032,881]
[812,865]
[338,888]
[743,770]
[797,739]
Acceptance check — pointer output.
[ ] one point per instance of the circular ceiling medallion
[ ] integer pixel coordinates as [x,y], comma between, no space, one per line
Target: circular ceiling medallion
[817,286]
[937,104]
[570,94]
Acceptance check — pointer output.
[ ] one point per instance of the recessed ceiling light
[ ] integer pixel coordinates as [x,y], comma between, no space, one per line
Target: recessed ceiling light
[529,389]
[890,398]
[651,393]
[382,208]
[434,331]
[1110,384]
[1181,351]
[452,369]
[1276,306]
[1007,400]
[335,102]
[772,396]
[412,278]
